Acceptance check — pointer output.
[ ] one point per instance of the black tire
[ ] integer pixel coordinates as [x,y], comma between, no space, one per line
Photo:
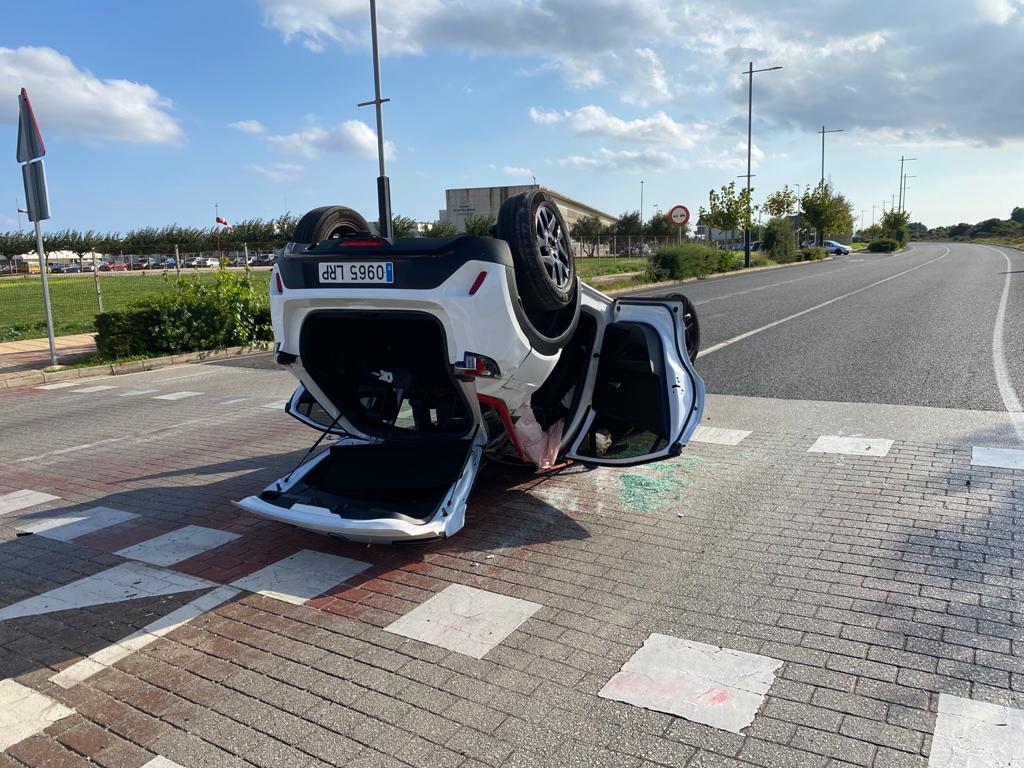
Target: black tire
[541,250]
[691,325]
[328,223]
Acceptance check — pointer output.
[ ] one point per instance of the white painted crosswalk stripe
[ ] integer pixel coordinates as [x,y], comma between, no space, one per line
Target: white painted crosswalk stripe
[975,733]
[277,406]
[161,762]
[464,619]
[1004,458]
[301,576]
[137,392]
[177,395]
[61,385]
[177,545]
[127,581]
[25,712]
[719,436]
[98,661]
[702,683]
[23,499]
[233,400]
[71,525]
[851,446]
[90,390]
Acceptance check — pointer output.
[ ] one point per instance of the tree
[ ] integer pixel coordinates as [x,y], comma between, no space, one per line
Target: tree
[1017,215]
[894,225]
[826,211]
[659,226]
[440,229]
[781,203]
[627,224]
[478,224]
[586,231]
[403,226]
[728,210]
[778,241]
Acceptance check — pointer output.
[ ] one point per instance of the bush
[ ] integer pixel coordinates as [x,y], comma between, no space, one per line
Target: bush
[778,241]
[678,262]
[885,245]
[813,254]
[233,310]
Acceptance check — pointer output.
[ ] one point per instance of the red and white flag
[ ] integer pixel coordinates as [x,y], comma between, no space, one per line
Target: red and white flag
[224,222]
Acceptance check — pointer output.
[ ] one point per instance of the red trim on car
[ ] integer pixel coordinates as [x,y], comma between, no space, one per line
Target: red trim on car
[371,243]
[506,419]
[477,283]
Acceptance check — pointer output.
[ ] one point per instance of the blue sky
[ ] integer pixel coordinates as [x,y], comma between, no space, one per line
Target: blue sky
[153,112]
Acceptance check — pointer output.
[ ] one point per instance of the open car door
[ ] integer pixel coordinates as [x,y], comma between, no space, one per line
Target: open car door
[304,407]
[647,399]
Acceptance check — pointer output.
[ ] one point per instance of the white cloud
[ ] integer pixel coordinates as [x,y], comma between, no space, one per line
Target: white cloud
[69,101]
[277,172]
[513,170]
[999,11]
[352,137]
[595,121]
[734,159]
[625,160]
[647,81]
[248,126]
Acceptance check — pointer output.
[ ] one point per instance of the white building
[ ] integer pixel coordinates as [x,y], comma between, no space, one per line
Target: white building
[485,201]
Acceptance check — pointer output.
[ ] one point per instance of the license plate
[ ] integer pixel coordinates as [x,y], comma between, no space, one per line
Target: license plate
[357,272]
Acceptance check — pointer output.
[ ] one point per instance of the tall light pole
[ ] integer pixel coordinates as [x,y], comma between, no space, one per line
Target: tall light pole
[873,207]
[383,183]
[902,161]
[903,195]
[823,132]
[750,122]
[641,216]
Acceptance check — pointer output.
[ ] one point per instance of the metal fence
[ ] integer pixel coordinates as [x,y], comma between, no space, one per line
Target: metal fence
[80,288]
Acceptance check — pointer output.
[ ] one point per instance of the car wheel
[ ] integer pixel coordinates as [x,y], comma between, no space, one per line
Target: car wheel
[691,325]
[541,250]
[329,223]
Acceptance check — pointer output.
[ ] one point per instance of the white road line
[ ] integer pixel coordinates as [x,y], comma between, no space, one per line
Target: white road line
[178,545]
[177,395]
[137,392]
[772,285]
[68,526]
[301,576]
[24,713]
[719,436]
[702,683]
[1004,458]
[161,762]
[851,446]
[61,385]
[23,499]
[976,733]
[90,390]
[127,581]
[106,657]
[277,406]
[464,619]
[1010,398]
[801,313]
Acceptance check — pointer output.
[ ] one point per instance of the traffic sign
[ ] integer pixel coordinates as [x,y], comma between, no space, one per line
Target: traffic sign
[679,215]
[36,197]
[30,141]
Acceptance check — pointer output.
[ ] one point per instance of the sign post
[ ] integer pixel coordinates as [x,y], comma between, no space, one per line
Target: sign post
[679,216]
[30,152]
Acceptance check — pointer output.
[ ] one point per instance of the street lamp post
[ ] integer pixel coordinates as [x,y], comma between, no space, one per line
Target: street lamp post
[903,193]
[750,121]
[902,161]
[383,183]
[823,132]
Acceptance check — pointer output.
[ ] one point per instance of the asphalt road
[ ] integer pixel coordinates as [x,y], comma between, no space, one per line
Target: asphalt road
[915,328]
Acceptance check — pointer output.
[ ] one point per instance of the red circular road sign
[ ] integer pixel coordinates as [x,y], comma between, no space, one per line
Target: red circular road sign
[679,215]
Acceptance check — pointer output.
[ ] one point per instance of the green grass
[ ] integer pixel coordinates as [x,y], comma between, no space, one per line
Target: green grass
[597,266]
[859,247]
[73,299]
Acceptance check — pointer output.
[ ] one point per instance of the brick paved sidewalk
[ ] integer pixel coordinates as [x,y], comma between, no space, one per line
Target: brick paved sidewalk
[885,587]
[34,354]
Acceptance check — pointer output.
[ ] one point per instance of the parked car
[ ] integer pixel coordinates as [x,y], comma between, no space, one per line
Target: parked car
[265,260]
[113,266]
[73,268]
[193,262]
[211,262]
[170,264]
[56,268]
[426,356]
[837,249]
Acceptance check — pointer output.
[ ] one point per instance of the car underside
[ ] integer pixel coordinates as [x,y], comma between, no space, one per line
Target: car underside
[424,357]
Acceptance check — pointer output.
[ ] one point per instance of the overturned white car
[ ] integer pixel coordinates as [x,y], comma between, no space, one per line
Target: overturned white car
[426,356]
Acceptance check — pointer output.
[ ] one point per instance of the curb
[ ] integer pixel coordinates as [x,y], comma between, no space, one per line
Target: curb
[30,378]
[716,276]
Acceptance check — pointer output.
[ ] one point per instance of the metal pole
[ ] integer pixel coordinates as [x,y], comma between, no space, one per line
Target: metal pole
[96,282]
[750,113]
[383,183]
[902,181]
[177,262]
[245,250]
[46,293]
[823,154]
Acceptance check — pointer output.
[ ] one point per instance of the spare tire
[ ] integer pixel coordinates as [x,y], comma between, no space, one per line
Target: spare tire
[329,223]
[542,253]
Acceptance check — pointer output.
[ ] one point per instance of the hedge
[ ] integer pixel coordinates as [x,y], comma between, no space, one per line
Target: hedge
[885,245]
[812,254]
[232,311]
[678,262]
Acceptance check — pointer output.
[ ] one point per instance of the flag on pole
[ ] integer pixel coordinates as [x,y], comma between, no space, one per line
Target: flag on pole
[224,222]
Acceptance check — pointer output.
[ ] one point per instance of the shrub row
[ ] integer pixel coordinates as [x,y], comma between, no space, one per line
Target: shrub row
[678,262]
[232,310]
[812,254]
[885,245]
